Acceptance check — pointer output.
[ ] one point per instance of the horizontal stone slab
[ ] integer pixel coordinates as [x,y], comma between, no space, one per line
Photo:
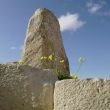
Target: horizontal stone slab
[25,88]
[82,94]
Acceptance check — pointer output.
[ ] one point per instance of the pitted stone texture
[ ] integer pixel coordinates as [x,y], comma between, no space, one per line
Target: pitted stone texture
[43,38]
[91,94]
[26,88]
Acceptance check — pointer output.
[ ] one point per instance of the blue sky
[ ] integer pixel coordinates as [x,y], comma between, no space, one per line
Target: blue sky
[85,27]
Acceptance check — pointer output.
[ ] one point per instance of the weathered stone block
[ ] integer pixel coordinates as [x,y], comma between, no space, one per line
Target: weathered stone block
[91,94]
[26,88]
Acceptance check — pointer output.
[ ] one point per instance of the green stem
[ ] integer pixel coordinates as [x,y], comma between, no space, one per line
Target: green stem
[78,68]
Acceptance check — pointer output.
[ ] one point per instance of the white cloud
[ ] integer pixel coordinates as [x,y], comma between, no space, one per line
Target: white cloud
[98,7]
[13,48]
[70,22]
[93,8]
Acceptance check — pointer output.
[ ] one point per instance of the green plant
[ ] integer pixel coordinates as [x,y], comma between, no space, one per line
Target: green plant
[20,62]
[61,75]
[74,76]
[81,60]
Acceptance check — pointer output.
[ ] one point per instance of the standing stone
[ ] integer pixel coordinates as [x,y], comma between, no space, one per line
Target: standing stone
[43,39]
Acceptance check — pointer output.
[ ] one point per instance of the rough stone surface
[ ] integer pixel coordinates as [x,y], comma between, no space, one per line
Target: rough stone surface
[26,88]
[91,94]
[43,38]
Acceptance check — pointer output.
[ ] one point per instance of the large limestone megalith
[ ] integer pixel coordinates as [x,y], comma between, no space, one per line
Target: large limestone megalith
[43,39]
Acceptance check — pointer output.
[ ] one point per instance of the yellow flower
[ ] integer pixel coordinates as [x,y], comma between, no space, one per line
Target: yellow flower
[50,57]
[75,76]
[20,62]
[61,61]
[43,58]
